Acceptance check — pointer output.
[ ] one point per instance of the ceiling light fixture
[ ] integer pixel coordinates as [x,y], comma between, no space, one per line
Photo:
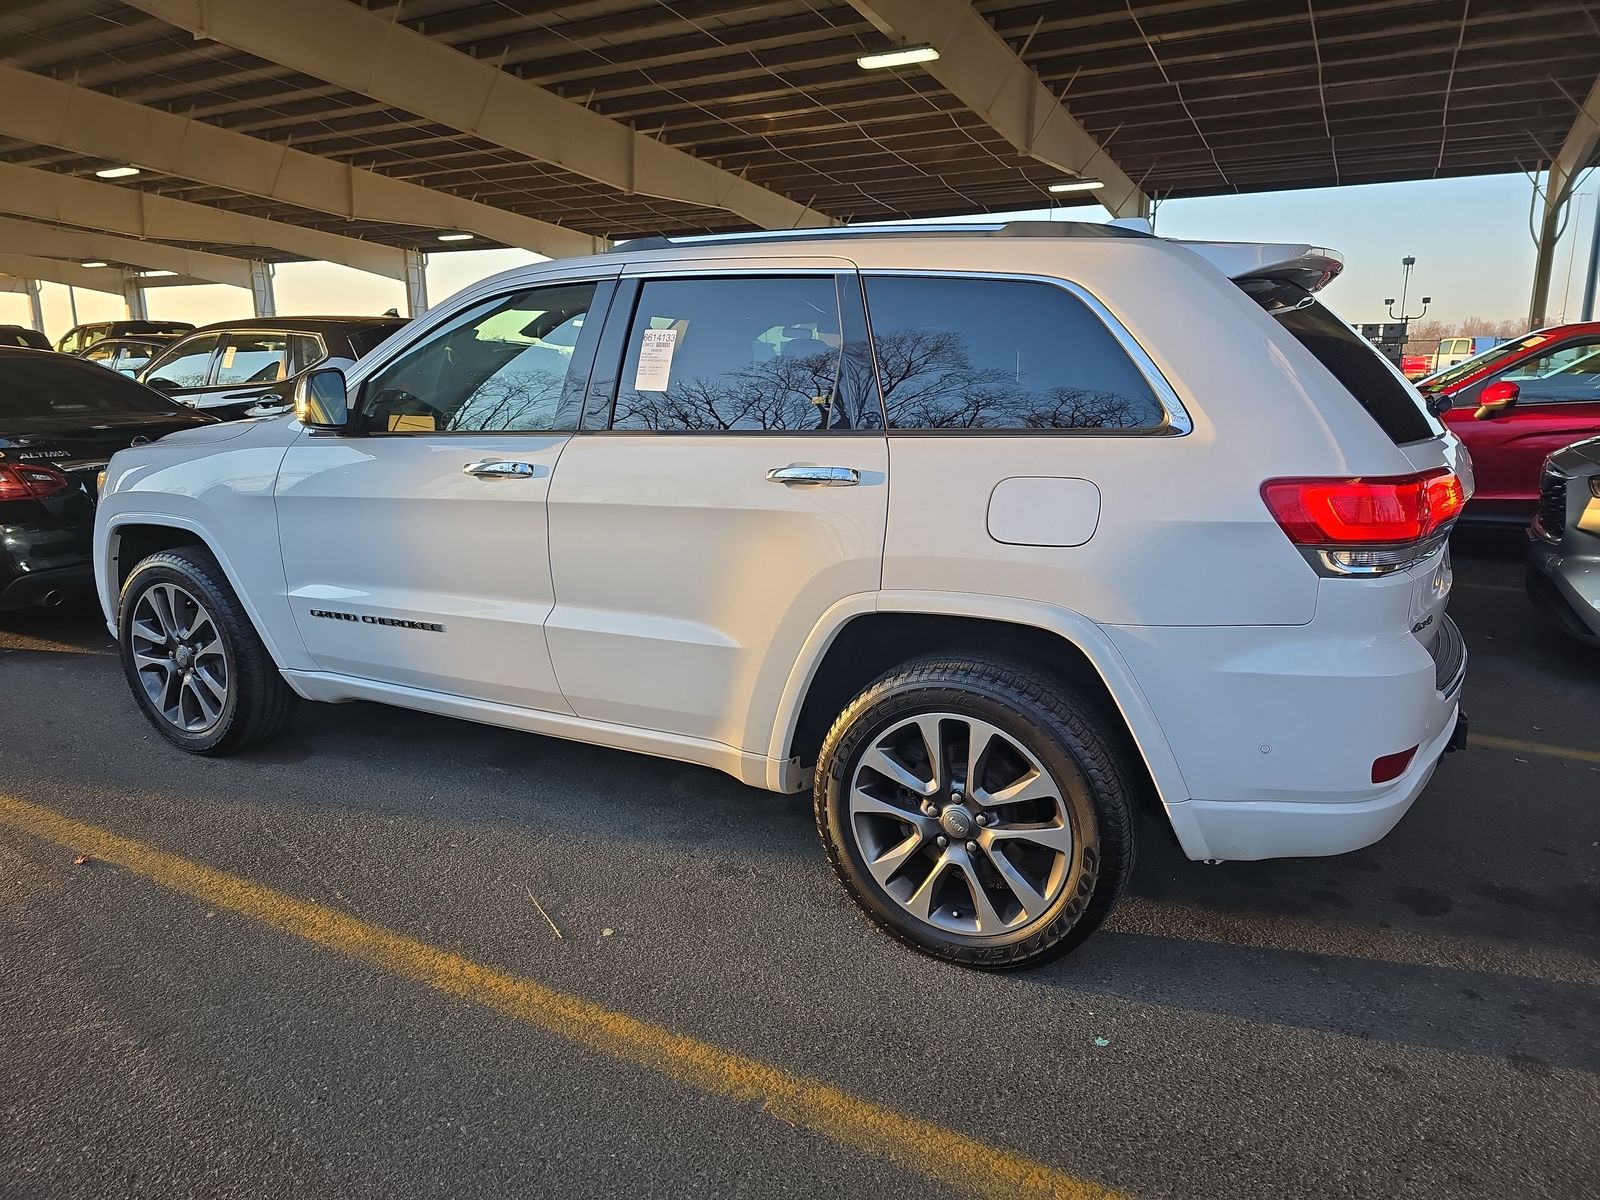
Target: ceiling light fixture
[117,172]
[93,264]
[897,58]
[455,237]
[1077,185]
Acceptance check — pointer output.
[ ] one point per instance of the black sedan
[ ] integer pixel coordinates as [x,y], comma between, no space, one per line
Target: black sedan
[61,419]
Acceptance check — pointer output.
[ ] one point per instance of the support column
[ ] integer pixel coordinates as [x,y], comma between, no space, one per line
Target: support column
[416,283]
[1544,254]
[133,297]
[261,294]
[35,304]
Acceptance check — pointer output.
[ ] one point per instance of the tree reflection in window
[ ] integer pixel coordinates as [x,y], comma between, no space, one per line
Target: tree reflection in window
[1000,354]
[748,354]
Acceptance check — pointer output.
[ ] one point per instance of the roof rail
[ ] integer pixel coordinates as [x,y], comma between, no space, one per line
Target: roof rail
[1040,229]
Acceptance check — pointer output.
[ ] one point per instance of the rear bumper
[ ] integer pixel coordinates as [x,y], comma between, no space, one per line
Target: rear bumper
[41,587]
[1256,829]
[1276,729]
[38,558]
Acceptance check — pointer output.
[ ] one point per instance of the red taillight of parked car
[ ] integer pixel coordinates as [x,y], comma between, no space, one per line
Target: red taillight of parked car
[1366,525]
[30,481]
[1362,511]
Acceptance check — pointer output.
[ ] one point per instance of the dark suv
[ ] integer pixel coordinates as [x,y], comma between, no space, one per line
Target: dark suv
[80,337]
[21,335]
[239,368]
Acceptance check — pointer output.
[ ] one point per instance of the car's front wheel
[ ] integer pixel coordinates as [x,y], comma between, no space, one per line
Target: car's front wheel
[194,662]
[977,810]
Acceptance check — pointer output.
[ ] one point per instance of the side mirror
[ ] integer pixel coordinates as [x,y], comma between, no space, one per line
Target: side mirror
[161,385]
[1496,399]
[321,400]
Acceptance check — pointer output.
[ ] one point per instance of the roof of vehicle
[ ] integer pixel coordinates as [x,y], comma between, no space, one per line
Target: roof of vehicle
[1305,263]
[156,338]
[303,324]
[70,362]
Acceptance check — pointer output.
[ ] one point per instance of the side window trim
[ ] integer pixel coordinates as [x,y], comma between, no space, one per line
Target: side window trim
[613,347]
[1177,421]
[605,289]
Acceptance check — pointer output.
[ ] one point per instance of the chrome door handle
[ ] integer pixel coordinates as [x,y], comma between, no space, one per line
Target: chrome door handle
[499,468]
[826,476]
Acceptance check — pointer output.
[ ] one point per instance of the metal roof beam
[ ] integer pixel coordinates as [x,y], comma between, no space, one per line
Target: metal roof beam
[50,270]
[72,200]
[51,241]
[977,66]
[1573,157]
[47,112]
[378,57]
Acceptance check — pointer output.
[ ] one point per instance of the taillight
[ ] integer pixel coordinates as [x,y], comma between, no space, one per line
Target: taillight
[1366,526]
[30,481]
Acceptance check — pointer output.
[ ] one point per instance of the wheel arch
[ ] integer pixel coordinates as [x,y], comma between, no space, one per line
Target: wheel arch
[861,638]
[133,537]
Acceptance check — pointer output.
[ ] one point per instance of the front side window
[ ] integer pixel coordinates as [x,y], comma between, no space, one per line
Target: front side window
[1000,354]
[185,365]
[500,366]
[731,354]
[1569,373]
[249,357]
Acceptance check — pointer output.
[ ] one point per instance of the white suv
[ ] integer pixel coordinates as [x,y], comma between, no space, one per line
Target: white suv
[990,537]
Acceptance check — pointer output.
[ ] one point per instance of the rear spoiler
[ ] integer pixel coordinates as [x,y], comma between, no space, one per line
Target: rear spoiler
[1312,267]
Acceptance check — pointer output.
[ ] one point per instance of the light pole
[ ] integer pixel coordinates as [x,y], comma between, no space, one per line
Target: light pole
[1406,264]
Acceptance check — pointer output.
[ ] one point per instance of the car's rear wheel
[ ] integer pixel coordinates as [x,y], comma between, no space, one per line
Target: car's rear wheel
[194,662]
[977,810]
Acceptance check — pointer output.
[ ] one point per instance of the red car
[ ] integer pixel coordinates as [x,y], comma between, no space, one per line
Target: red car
[1515,403]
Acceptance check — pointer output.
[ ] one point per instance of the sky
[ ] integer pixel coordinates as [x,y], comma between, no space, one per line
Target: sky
[1470,238]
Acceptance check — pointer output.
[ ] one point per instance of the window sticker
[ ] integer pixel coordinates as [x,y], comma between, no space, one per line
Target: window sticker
[227,357]
[655,360]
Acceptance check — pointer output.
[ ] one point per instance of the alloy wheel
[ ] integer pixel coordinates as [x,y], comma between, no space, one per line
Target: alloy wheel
[178,654]
[961,825]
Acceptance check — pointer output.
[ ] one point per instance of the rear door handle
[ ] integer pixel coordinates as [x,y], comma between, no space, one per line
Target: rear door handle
[499,468]
[825,476]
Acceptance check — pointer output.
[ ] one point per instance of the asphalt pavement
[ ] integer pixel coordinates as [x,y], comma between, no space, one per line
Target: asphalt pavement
[597,974]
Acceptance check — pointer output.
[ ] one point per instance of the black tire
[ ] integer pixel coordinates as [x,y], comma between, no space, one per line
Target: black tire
[258,703]
[1067,736]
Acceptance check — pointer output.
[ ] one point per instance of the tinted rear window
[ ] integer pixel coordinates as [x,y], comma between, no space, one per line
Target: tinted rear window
[368,340]
[1380,389]
[65,388]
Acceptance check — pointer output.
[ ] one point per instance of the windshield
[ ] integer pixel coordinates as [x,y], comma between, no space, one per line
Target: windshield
[1478,362]
[50,387]
[1369,377]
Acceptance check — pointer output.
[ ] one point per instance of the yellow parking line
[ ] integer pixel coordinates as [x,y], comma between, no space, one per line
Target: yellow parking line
[1517,745]
[938,1153]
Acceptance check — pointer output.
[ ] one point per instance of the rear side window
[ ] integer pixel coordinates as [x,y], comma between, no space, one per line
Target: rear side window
[1000,354]
[249,357]
[730,355]
[1389,400]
